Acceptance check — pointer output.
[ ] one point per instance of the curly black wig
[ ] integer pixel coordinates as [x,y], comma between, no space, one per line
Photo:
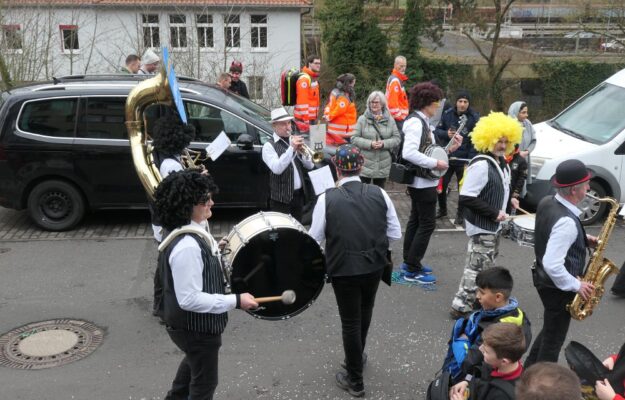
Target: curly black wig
[423,94]
[176,195]
[170,136]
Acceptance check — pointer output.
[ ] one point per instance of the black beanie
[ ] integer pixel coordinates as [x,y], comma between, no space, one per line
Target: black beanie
[463,94]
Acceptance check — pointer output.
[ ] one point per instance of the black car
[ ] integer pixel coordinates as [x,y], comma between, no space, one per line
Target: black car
[64,147]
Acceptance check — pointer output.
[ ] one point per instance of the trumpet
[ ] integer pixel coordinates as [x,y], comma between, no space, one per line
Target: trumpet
[316,156]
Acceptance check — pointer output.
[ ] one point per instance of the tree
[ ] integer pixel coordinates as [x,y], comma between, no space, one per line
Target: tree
[353,42]
[473,25]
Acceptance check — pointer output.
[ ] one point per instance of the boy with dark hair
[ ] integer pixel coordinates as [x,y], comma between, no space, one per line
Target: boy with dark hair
[494,290]
[503,346]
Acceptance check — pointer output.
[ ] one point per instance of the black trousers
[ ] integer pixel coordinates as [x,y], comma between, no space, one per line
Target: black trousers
[421,224]
[618,286]
[157,306]
[457,170]
[375,181]
[196,378]
[556,323]
[294,207]
[355,296]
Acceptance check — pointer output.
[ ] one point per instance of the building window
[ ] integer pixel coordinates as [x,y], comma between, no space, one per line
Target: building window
[232,31]
[255,88]
[69,37]
[151,35]
[12,37]
[259,31]
[178,31]
[204,24]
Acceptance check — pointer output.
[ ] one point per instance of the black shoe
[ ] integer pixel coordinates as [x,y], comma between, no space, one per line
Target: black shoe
[455,314]
[441,214]
[458,221]
[617,294]
[364,361]
[355,389]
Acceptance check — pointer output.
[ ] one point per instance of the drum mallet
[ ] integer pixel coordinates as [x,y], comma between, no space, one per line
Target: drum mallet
[288,297]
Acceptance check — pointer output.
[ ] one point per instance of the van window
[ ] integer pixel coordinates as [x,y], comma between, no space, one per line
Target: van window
[596,117]
[102,118]
[54,117]
[209,121]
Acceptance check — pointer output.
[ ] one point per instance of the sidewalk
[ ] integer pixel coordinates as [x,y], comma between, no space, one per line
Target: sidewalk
[135,224]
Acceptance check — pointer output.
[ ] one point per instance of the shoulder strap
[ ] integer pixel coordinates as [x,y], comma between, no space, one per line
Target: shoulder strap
[210,241]
[505,386]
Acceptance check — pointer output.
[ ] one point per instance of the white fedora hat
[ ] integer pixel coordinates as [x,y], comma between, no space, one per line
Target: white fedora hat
[280,114]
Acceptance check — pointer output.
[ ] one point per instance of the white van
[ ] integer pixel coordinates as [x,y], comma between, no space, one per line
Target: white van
[592,130]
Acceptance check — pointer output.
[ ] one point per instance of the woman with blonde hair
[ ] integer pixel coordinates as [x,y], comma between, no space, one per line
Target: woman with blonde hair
[377,137]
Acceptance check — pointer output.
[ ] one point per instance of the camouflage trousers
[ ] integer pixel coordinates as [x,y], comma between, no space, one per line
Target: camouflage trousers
[481,254]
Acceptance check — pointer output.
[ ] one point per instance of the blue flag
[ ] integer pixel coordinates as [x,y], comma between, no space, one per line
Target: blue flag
[173,84]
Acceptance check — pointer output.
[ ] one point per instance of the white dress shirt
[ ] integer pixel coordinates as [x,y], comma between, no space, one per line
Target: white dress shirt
[412,140]
[186,268]
[277,165]
[475,179]
[170,165]
[318,226]
[562,236]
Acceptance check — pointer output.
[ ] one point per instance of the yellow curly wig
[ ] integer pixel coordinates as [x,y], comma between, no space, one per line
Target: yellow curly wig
[493,127]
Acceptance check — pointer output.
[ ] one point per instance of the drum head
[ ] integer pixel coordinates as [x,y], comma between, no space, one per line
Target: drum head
[277,260]
[525,221]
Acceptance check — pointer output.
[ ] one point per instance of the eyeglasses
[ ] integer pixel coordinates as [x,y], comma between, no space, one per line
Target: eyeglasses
[316,62]
[375,102]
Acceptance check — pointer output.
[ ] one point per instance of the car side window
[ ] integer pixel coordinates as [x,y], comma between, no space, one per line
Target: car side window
[209,121]
[53,117]
[102,118]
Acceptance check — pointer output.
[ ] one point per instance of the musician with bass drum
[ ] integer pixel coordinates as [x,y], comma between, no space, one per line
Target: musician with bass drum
[418,141]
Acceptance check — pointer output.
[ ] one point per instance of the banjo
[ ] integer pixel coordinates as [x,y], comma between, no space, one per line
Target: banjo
[439,153]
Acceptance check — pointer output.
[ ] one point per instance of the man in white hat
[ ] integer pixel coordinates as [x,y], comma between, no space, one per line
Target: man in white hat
[149,63]
[283,155]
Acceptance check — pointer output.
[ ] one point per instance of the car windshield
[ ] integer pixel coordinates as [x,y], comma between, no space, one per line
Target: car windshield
[596,117]
[249,108]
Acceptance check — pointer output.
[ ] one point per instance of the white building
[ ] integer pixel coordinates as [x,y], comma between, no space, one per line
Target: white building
[45,39]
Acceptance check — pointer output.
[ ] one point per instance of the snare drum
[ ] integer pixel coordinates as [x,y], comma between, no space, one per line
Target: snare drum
[522,230]
[269,253]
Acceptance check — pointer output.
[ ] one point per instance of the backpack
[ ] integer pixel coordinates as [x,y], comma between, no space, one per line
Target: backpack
[438,389]
[288,86]
[479,389]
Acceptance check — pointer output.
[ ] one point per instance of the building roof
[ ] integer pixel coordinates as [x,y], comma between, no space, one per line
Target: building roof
[143,3]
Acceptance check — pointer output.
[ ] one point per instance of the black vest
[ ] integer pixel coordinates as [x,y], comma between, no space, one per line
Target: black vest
[356,241]
[548,213]
[212,282]
[281,186]
[493,194]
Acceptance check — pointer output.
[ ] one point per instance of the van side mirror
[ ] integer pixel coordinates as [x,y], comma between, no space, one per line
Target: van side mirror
[245,142]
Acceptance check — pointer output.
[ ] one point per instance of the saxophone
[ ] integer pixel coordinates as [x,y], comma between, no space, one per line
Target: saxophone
[598,268]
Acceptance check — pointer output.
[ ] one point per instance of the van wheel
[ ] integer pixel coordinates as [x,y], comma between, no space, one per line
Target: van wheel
[56,205]
[592,210]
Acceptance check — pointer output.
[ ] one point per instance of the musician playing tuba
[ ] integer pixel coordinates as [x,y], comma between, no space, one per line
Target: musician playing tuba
[286,158]
[560,247]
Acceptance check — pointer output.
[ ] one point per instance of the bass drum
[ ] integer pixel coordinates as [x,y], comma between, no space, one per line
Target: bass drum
[269,253]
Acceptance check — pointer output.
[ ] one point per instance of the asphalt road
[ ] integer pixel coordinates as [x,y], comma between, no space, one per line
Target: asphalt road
[109,282]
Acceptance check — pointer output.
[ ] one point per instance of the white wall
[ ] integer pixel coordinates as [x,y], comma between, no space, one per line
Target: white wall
[107,35]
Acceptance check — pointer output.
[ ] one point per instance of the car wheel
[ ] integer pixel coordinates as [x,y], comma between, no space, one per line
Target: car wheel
[593,210]
[56,205]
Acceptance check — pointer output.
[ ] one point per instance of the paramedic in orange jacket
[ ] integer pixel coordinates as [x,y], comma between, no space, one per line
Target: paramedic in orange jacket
[340,112]
[307,95]
[396,93]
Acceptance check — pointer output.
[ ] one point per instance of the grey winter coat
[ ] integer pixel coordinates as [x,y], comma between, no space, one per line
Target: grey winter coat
[377,162]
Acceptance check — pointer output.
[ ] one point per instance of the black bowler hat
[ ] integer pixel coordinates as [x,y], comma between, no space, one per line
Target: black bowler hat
[570,173]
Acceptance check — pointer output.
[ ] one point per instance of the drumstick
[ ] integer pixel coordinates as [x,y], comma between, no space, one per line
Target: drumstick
[523,211]
[509,217]
[288,297]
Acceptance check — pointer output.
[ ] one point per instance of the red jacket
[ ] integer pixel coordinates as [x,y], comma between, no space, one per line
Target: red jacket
[396,95]
[340,112]
[307,99]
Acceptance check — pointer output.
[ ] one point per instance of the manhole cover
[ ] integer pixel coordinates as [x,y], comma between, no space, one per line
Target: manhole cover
[49,344]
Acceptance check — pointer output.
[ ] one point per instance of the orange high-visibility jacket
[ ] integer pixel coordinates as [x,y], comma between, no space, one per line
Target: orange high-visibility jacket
[396,95]
[340,112]
[307,99]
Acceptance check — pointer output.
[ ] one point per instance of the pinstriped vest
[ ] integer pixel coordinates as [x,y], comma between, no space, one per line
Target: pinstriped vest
[492,194]
[212,282]
[281,186]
